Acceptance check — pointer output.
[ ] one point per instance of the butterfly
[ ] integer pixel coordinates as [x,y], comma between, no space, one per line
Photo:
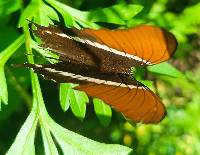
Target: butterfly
[100,62]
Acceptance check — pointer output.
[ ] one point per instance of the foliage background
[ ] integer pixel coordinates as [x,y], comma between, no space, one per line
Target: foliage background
[177,134]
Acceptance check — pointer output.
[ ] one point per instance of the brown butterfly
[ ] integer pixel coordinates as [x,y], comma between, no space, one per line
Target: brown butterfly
[100,61]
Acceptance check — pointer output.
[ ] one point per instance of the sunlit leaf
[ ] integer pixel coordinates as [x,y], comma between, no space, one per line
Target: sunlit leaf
[165,69]
[72,14]
[3,88]
[75,99]
[116,14]
[103,111]
[64,95]
[40,12]
[138,74]
[61,8]
[78,102]
[70,142]
[74,144]
[28,13]
[24,142]
[49,145]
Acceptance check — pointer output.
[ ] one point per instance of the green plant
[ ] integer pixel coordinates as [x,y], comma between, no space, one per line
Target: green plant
[57,139]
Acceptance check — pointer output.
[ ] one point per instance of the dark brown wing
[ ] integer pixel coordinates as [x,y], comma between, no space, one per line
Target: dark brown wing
[68,49]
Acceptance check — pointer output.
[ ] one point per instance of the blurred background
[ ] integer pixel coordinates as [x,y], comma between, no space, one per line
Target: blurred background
[177,134]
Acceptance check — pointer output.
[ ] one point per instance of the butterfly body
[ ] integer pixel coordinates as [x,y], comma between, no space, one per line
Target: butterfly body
[100,61]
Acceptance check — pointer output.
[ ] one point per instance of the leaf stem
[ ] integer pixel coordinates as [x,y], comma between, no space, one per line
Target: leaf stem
[37,94]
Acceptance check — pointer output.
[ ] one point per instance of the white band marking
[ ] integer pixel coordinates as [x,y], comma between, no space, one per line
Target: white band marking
[98,45]
[90,79]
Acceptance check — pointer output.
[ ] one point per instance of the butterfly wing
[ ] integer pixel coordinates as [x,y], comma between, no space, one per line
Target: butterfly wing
[54,39]
[138,103]
[128,96]
[118,50]
[112,50]
[150,43]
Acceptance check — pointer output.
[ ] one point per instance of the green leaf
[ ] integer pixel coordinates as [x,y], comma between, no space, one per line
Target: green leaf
[75,99]
[78,102]
[7,53]
[40,12]
[146,82]
[9,6]
[185,83]
[3,88]
[16,87]
[74,144]
[28,13]
[64,95]
[24,142]
[47,14]
[68,19]
[70,142]
[116,14]
[4,56]
[165,69]
[49,145]
[103,111]
[138,73]
[8,35]
[71,15]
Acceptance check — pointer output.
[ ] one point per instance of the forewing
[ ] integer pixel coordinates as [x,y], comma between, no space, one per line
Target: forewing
[149,43]
[55,39]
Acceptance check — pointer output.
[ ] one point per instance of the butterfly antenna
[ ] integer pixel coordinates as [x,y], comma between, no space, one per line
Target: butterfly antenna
[31,22]
[19,65]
